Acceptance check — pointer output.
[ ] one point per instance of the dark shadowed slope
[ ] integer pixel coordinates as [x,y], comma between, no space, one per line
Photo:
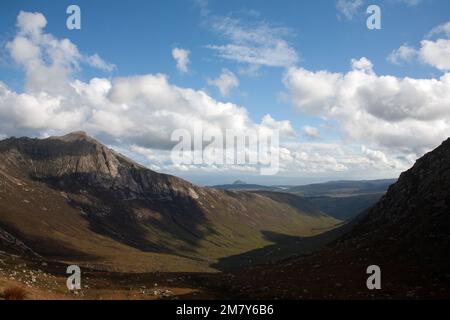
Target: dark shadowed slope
[407,234]
[71,198]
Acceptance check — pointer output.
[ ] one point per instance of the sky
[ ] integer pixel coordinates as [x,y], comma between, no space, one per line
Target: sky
[349,102]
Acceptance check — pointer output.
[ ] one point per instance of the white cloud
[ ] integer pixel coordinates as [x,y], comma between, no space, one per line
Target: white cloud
[349,8]
[440,29]
[404,53]
[31,22]
[181,56]
[226,82]
[137,110]
[283,126]
[311,132]
[258,44]
[137,114]
[363,64]
[333,158]
[435,53]
[47,61]
[402,116]
[97,62]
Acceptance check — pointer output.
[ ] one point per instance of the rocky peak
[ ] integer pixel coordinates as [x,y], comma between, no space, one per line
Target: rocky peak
[79,159]
[75,136]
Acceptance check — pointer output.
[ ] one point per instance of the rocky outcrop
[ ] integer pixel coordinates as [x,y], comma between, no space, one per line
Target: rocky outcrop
[14,245]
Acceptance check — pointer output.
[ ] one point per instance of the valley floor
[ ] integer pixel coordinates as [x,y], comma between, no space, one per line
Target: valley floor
[335,280]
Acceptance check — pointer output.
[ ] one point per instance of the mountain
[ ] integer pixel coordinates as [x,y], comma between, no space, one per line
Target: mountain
[72,199]
[406,234]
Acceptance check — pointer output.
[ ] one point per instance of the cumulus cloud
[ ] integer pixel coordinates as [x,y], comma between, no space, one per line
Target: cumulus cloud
[363,64]
[403,116]
[226,82]
[434,53]
[181,56]
[139,110]
[137,114]
[31,23]
[404,53]
[257,44]
[48,61]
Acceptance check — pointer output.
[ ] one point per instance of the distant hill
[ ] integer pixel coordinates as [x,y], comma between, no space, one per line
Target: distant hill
[331,189]
[342,200]
[343,188]
[236,186]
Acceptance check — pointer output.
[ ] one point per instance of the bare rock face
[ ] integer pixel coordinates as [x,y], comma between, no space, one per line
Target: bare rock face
[76,157]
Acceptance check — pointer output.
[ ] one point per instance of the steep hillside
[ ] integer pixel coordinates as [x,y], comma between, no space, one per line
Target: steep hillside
[71,199]
[407,234]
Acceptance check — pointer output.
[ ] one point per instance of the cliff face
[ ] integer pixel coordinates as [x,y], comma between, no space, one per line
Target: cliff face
[72,196]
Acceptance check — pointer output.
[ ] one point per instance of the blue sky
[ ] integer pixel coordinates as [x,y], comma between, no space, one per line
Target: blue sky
[138,38]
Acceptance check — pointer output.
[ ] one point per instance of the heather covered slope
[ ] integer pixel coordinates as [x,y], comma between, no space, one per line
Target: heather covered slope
[73,199]
[407,234]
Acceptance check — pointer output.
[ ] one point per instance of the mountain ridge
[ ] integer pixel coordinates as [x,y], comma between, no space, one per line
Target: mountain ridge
[86,199]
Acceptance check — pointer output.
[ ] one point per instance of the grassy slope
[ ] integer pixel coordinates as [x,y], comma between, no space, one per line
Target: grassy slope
[232,223]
